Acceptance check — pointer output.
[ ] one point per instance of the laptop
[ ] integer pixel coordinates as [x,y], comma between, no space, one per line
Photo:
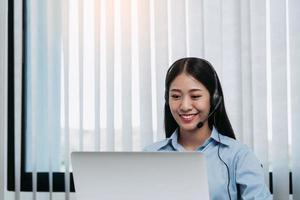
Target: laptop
[140,176]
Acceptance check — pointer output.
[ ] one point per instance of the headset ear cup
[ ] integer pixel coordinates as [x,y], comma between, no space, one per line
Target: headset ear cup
[216,96]
[215,99]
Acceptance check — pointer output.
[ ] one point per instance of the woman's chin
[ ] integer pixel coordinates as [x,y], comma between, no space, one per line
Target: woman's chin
[188,128]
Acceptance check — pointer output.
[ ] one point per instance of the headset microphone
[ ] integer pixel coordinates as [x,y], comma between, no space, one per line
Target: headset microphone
[200,124]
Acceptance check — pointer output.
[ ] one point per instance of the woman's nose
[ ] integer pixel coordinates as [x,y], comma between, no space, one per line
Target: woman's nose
[185,104]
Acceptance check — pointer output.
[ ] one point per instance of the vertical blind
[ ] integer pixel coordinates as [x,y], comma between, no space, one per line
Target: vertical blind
[294,70]
[3,92]
[95,74]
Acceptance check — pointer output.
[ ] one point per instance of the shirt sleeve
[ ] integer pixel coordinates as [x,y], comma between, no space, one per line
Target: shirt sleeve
[249,177]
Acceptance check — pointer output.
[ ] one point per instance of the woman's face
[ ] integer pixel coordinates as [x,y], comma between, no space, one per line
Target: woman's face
[189,101]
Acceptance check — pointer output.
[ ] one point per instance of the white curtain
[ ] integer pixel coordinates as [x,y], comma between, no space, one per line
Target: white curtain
[96,68]
[3,94]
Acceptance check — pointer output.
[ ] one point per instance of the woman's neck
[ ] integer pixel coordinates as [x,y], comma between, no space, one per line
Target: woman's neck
[192,140]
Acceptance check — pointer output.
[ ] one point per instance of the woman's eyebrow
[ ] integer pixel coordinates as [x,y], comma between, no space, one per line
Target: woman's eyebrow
[195,90]
[175,90]
[191,90]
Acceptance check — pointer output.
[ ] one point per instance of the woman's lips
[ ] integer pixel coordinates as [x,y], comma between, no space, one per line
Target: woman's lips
[187,117]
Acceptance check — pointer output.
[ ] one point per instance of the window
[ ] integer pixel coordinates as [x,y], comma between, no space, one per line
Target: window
[94,70]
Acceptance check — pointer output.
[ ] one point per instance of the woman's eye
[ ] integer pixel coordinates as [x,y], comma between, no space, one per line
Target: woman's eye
[174,96]
[196,96]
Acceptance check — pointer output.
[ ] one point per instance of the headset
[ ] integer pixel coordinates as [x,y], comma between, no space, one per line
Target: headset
[215,100]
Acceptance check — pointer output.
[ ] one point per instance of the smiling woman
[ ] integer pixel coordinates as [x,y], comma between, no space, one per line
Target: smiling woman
[194,96]
[200,84]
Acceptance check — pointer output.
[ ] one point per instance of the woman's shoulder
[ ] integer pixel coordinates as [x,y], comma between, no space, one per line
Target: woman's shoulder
[236,147]
[228,143]
[239,152]
[157,146]
[233,143]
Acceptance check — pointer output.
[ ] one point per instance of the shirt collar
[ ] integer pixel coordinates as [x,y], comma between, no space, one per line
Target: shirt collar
[174,141]
[218,137]
[215,135]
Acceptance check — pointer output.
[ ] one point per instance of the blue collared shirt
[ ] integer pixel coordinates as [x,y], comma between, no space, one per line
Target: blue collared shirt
[246,174]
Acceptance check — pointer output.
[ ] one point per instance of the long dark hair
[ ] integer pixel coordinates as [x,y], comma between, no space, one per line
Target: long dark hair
[204,72]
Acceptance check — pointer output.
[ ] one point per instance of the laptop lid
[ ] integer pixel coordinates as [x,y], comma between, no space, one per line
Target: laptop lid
[140,175]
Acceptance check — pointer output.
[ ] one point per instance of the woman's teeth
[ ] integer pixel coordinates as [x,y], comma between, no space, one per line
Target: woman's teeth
[187,116]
